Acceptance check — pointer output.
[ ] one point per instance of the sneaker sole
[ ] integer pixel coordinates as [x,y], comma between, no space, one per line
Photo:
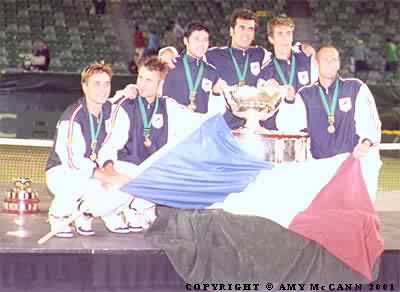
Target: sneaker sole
[64,235]
[119,230]
[80,231]
[135,229]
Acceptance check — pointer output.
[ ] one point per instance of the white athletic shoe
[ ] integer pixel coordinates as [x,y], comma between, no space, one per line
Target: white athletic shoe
[83,224]
[58,224]
[115,223]
[140,220]
[135,219]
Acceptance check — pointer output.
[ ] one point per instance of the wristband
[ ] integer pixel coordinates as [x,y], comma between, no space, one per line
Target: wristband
[368,141]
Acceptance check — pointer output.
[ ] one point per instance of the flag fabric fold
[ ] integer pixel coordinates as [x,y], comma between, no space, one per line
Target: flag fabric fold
[325,201]
[343,220]
[200,171]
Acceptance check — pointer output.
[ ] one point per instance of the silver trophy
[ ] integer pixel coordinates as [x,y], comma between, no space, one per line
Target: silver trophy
[255,104]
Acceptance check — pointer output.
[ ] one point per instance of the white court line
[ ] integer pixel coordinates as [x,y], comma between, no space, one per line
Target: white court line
[389,146]
[26,142]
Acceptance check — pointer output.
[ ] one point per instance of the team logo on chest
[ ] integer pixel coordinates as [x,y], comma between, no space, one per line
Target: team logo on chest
[302,76]
[255,68]
[158,121]
[206,84]
[345,104]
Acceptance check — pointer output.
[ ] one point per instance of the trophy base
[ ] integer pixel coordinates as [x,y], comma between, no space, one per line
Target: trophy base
[274,146]
[17,206]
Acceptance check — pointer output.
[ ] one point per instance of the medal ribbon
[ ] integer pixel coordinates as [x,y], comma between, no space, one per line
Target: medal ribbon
[147,124]
[330,110]
[94,134]
[280,72]
[192,87]
[241,74]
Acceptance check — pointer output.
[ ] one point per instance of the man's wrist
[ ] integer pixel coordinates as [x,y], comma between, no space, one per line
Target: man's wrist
[367,141]
[289,100]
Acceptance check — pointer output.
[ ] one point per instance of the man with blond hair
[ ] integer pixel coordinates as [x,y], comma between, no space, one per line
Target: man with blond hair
[74,172]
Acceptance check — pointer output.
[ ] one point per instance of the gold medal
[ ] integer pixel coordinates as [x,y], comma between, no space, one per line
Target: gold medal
[147,142]
[192,98]
[331,129]
[93,156]
[242,83]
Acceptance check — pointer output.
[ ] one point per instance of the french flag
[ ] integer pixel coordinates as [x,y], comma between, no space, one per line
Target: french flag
[325,201]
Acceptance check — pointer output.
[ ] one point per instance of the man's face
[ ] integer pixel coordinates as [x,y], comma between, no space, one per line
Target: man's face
[148,82]
[328,62]
[281,38]
[97,88]
[197,43]
[243,33]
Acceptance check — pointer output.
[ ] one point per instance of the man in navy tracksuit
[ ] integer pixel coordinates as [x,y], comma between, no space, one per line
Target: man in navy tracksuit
[142,124]
[74,171]
[290,66]
[193,81]
[339,114]
[240,63]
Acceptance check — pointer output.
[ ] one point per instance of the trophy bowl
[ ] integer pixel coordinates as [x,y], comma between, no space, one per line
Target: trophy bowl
[21,199]
[255,104]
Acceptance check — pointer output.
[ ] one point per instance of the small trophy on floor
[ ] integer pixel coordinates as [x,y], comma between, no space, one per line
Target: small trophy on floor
[21,199]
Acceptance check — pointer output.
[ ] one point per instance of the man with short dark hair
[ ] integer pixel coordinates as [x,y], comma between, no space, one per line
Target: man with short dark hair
[142,124]
[192,82]
[240,63]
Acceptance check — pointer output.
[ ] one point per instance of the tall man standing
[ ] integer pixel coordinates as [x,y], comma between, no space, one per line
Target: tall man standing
[239,63]
[290,67]
[194,82]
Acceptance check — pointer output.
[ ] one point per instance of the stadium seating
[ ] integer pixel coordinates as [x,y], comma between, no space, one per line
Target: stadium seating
[371,21]
[74,35]
[154,14]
